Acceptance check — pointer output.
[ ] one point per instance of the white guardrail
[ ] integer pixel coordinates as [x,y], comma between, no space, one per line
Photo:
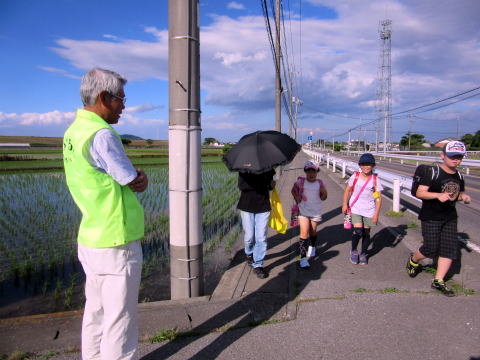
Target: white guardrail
[465,162]
[399,184]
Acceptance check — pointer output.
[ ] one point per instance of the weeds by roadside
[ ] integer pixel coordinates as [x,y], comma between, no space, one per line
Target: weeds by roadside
[396,214]
[412,225]
[164,335]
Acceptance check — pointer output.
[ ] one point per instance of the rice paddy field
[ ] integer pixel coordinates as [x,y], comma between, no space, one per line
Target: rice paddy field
[39,270]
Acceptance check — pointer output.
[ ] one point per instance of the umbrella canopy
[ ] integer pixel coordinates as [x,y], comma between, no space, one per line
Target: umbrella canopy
[261,151]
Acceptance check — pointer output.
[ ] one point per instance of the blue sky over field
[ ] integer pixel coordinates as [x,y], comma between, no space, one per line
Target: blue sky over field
[332,45]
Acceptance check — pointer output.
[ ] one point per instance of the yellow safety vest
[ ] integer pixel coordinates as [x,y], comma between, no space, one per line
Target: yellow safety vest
[112,214]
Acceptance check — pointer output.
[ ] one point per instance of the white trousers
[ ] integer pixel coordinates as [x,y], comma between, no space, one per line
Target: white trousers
[110,326]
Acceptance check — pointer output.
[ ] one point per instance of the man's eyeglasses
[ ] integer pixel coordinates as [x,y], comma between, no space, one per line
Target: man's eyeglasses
[122,99]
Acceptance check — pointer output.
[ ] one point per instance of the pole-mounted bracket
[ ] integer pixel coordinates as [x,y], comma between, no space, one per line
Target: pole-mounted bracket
[181,85]
[185,37]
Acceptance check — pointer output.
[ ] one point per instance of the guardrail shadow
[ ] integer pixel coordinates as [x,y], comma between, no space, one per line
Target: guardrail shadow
[384,238]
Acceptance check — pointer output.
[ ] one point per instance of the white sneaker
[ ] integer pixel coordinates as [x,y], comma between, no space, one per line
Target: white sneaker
[304,263]
[311,252]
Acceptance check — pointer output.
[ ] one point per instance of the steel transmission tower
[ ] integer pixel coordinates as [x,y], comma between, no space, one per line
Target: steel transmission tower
[384,91]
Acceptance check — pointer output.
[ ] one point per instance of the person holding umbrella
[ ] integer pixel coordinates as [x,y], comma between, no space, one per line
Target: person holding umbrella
[254,157]
[254,206]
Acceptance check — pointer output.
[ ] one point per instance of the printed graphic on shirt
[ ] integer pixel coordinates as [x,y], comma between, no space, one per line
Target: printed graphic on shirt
[452,188]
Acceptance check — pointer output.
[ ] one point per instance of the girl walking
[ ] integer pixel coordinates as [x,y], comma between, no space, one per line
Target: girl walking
[309,192]
[362,199]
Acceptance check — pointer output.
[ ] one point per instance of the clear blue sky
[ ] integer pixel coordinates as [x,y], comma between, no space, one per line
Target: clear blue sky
[332,48]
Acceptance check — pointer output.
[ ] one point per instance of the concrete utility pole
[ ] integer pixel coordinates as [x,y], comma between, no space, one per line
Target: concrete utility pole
[297,102]
[410,121]
[292,100]
[458,127]
[278,85]
[184,147]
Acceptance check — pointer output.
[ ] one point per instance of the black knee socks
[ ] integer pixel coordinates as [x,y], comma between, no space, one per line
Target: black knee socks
[313,240]
[365,240]
[356,236]
[303,244]
[361,233]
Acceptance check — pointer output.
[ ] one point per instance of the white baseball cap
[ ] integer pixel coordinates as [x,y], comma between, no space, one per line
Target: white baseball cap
[454,148]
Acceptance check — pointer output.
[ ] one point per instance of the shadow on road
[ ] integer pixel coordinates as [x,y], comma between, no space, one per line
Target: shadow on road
[250,310]
[385,238]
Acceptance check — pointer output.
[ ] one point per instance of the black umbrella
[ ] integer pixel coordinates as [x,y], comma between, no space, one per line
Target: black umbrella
[261,151]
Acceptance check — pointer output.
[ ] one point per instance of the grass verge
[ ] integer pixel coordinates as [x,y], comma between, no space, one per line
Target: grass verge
[396,214]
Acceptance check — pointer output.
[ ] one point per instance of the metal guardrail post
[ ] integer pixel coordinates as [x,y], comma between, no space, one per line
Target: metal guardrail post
[343,169]
[334,165]
[396,195]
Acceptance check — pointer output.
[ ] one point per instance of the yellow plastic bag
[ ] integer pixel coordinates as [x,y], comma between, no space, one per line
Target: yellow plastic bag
[277,221]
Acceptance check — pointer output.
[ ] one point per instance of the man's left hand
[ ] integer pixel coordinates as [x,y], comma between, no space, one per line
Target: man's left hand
[140,183]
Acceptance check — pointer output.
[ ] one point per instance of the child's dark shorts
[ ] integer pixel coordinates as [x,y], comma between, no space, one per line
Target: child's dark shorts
[440,238]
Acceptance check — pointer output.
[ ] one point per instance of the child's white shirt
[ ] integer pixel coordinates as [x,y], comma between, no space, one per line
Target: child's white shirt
[365,204]
[312,207]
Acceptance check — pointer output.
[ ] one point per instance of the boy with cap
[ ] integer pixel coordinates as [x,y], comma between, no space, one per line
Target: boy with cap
[362,199]
[439,216]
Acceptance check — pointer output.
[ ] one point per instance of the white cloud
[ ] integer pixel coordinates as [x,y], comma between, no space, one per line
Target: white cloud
[52,117]
[37,123]
[111,37]
[135,59]
[59,71]
[235,5]
[27,119]
[142,108]
[129,119]
[224,122]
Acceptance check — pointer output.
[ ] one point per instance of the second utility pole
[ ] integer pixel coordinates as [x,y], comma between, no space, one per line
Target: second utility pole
[278,84]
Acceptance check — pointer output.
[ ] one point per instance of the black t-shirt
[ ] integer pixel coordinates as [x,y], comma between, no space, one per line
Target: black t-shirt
[445,182]
[254,197]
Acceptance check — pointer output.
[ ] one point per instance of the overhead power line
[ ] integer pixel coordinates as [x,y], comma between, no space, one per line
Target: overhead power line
[413,110]
[439,101]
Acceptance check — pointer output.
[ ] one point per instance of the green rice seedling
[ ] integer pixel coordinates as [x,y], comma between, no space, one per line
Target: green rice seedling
[45,287]
[67,303]
[58,291]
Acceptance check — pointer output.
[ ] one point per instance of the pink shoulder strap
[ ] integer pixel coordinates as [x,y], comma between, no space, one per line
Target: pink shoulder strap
[363,187]
[301,179]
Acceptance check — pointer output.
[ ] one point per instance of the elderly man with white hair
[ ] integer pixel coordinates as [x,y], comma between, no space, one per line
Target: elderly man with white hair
[102,182]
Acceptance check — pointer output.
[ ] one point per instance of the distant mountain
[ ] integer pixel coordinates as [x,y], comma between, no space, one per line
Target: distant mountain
[131,137]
